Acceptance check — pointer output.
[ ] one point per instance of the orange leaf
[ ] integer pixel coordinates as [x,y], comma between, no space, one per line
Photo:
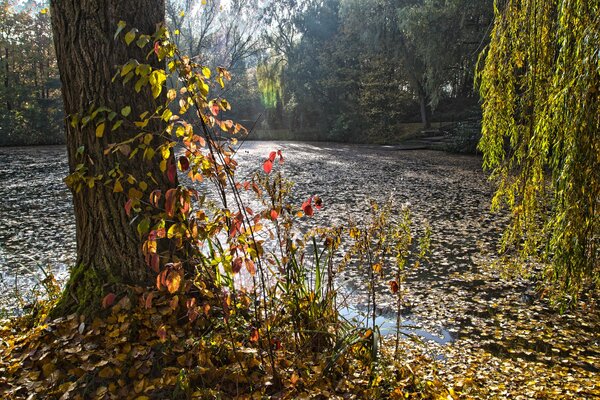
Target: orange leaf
[170,202]
[274,214]
[254,335]
[173,281]
[394,286]
[250,267]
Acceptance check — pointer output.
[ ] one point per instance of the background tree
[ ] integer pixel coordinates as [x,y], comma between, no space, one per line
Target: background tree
[361,70]
[541,122]
[108,247]
[30,109]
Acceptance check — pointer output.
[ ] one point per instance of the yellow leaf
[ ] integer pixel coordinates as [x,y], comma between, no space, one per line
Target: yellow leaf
[118,187]
[125,111]
[100,130]
[44,11]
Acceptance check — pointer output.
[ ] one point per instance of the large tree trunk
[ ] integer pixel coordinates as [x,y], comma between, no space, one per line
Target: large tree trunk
[108,247]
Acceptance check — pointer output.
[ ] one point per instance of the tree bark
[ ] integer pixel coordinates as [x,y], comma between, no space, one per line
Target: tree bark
[108,246]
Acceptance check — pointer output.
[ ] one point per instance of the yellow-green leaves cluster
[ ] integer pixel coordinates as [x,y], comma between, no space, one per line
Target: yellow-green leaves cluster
[541,124]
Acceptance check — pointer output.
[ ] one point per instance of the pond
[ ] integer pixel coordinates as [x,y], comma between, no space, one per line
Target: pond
[475,320]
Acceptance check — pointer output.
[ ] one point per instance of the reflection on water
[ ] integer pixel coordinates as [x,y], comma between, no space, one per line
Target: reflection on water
[386,324]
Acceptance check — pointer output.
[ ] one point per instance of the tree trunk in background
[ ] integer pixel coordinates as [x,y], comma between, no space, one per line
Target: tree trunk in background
[424,112]
[108,247]
[7,79]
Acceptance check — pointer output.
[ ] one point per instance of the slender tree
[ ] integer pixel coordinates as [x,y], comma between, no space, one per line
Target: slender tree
[108,246]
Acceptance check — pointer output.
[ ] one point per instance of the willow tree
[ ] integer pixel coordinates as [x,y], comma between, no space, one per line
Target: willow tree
[109,250]
[540,86]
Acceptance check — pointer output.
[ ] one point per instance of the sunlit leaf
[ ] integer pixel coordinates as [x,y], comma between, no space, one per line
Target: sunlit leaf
[100,130]
[268,166]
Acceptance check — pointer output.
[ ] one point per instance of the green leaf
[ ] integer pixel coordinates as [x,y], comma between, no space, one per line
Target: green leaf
[125,111]
[117,125]
[143,226]
[142,41]
[130,36]
[128,67]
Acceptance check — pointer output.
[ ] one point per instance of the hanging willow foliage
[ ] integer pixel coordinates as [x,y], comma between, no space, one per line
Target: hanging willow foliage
[540,85]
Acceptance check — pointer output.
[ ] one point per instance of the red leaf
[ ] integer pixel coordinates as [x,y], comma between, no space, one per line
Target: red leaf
[236,266]
[128,207]
[184,163]
[394,286]
[156,47]
[274,215]
[171,172]
[307,208]
[272,156]
[280,156]
[276,344]
[108,300]
[268,166]
[148,302]
[155,262]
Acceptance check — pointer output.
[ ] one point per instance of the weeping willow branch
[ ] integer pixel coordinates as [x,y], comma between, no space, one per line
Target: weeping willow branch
[540,84]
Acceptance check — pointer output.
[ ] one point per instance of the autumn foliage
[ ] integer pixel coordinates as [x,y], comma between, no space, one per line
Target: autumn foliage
[243,303]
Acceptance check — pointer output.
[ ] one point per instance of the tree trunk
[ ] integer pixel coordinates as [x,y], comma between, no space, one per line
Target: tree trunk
[7,80]
[424,111]
[108,246]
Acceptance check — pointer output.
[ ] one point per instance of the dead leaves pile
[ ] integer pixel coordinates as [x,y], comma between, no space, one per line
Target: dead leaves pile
[140,349]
